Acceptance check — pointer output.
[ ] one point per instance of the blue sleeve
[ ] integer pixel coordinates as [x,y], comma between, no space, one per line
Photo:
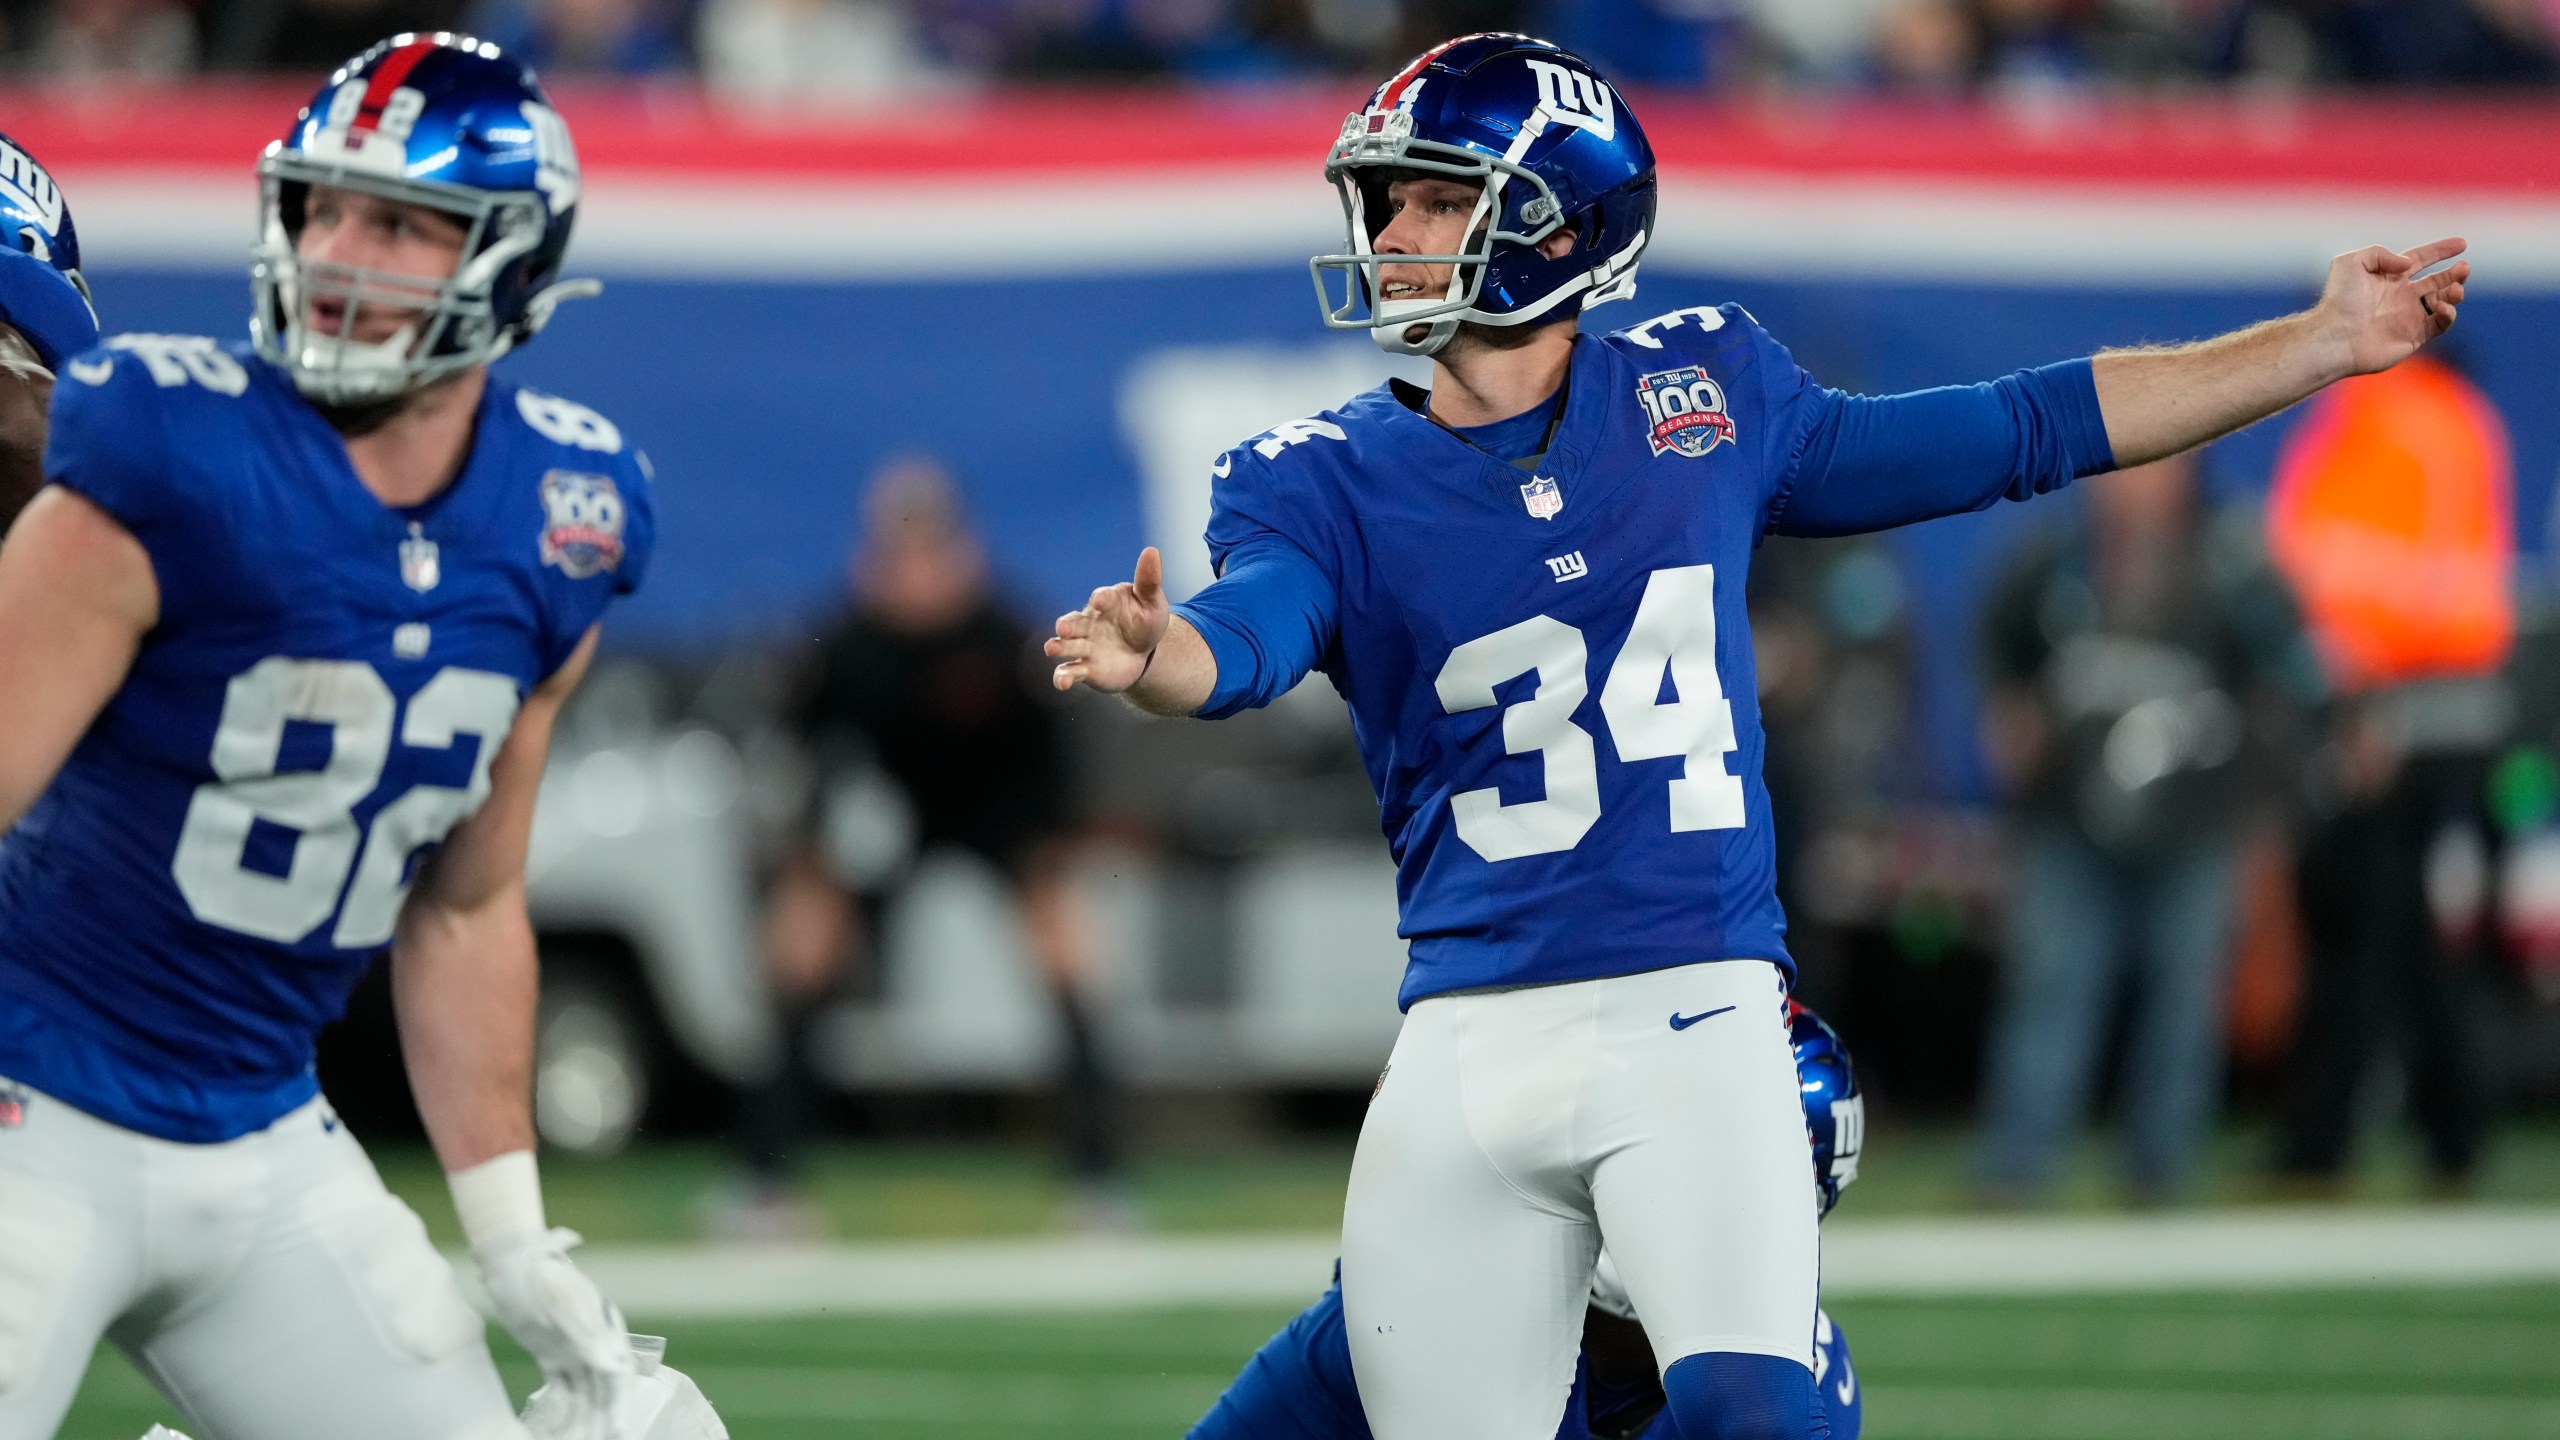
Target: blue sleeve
[1870,462]
[107,438]
[1298,1386]
[577,600]
[1268,619]
[640,523]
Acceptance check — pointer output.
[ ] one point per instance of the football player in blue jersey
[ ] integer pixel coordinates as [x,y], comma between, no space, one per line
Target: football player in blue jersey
[45,316]
[1299,1385]
[286,633]
[1527,581]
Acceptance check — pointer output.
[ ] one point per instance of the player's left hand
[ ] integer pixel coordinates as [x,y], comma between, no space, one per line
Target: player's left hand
[2377,316]
[1107,645]
[567,1324]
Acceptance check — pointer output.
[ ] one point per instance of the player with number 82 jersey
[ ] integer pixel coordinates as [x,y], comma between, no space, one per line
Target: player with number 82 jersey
[228,846]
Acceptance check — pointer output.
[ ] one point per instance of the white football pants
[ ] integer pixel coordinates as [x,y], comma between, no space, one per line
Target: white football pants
[270,1286]
[1513,1130]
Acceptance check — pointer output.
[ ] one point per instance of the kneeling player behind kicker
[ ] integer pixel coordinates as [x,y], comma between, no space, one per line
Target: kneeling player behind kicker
[1299,1385]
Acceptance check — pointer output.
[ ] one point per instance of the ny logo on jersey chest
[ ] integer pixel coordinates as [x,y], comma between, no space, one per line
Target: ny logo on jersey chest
[1568,567]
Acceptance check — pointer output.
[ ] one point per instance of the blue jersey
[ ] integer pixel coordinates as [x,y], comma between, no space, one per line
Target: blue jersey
[230,843]
[1549,671]
[1299,1386]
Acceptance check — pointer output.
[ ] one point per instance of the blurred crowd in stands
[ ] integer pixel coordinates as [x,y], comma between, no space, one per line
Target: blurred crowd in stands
[852,51]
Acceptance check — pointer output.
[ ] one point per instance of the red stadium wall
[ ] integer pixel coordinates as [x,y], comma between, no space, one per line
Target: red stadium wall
[2202,191]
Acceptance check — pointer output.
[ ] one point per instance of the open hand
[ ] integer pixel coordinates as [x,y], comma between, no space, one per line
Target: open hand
[1106,645]
[2377,315]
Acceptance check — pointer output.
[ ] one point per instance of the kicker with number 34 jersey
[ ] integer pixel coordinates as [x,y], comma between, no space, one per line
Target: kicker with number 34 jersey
[320,703]
[1549,671]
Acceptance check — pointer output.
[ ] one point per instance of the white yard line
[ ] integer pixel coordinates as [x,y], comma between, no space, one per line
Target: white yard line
[2247,1250]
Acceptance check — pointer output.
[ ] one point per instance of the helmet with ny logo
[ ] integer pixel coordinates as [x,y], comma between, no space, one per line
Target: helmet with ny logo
[443,121]
[1554,148]
[42,292]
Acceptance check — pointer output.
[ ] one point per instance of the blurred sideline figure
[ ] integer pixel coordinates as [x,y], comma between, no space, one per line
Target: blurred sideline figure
[1299,1385]
[2143,670]
[926,681]
[2391,516]
[285,635]
[1551,546]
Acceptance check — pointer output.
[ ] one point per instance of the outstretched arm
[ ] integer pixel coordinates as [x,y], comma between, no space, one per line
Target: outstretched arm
[2371,315]
[1873,462]
[1241,643]
[1127,641]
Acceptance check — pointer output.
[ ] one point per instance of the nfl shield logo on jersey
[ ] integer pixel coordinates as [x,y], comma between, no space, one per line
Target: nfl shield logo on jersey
[1543,496]
[1685,410]
[582,523]
[421,563]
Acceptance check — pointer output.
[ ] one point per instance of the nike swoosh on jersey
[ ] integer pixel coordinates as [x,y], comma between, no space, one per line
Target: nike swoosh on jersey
[1683,1022]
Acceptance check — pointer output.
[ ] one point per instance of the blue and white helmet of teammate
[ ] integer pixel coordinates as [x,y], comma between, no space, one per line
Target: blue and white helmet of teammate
[441,120]
[1835,1111]
[1554,149]
[42,292]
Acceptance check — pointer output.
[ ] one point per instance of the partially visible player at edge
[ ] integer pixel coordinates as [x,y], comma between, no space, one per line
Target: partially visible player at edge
[1299,1385]
[45,316]
[287,631]
[1528,584]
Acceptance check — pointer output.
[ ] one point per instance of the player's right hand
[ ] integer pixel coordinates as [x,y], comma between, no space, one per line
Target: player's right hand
[558,1315]
[1107,644]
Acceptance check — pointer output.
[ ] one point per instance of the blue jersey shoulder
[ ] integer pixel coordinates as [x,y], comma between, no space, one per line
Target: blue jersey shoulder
[599,510]
[1292,480]
[1725,338]
[124,409]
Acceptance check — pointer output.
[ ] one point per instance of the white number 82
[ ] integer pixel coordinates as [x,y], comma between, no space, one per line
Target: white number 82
[351,699]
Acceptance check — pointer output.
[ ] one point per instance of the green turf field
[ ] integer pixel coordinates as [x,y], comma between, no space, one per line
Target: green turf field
[876,1191]
[2428,1364]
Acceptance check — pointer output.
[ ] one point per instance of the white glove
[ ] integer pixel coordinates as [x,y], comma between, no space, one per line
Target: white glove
[660,1402]
[558,1315]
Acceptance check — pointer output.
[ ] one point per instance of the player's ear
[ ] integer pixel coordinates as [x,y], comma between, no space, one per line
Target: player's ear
[1560,244]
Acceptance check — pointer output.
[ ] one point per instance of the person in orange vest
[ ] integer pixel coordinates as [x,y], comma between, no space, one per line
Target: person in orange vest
[2392,519]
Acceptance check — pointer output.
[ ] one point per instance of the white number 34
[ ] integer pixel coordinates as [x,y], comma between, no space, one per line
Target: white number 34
[1674,630]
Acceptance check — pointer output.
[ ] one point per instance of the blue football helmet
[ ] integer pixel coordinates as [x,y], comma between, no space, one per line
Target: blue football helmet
[1835,1113]
[42,292]
[1554,147]
[440,120]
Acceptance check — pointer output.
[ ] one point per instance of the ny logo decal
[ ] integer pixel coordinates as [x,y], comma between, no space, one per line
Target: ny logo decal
[1577,98]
